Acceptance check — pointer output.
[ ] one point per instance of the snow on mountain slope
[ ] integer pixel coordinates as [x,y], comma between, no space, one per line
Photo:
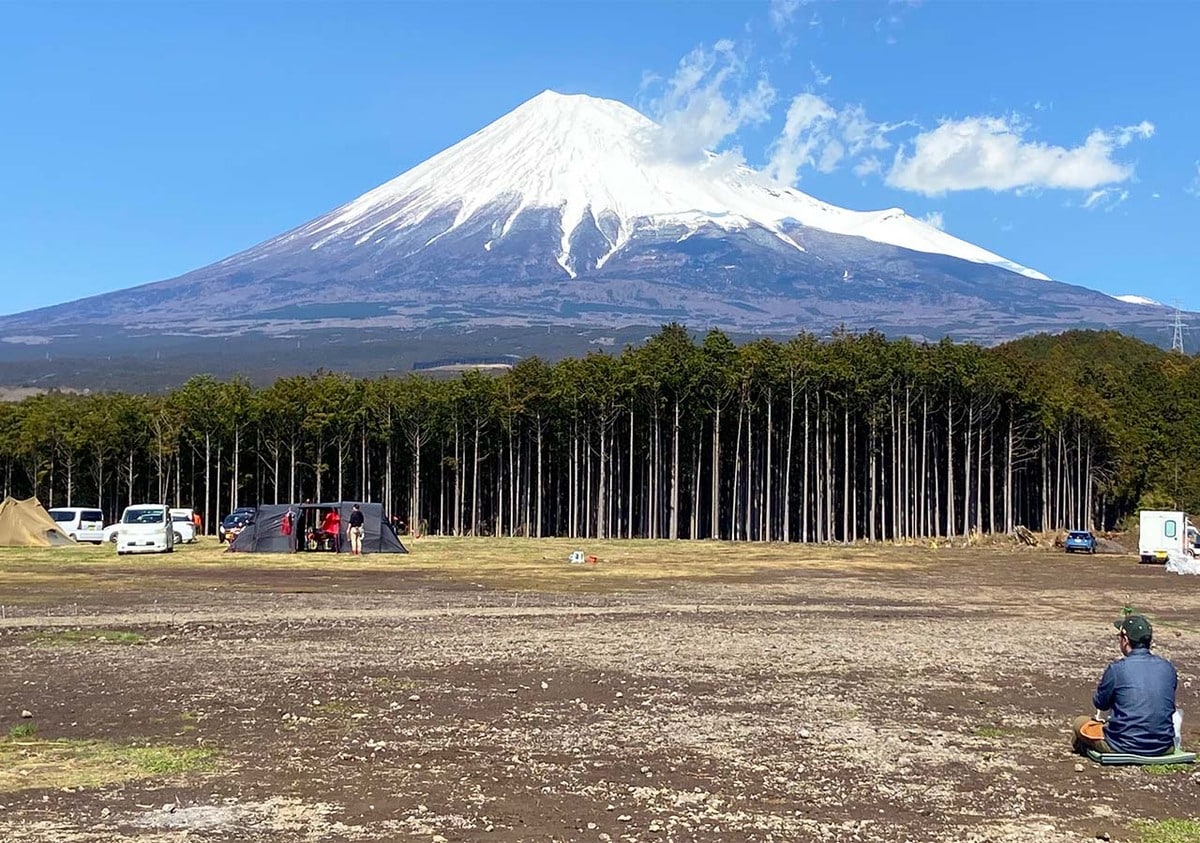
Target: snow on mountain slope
[582,155]
[1130,299]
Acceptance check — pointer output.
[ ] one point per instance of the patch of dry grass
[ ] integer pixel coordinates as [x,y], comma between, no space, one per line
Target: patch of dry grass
[34,764]
[27,576]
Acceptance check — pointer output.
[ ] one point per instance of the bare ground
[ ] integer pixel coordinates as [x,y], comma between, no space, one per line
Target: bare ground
[826,694]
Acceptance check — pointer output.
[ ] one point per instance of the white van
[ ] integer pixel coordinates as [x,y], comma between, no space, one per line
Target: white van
[83,524]
[146,528]
[185,526]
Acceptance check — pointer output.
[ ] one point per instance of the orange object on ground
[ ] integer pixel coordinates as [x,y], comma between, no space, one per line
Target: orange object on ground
[1093,730]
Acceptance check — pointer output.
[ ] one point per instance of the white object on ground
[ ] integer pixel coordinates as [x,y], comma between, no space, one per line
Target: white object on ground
[1181,563]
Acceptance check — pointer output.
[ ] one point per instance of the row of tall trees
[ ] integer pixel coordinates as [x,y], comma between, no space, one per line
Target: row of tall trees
[853,438]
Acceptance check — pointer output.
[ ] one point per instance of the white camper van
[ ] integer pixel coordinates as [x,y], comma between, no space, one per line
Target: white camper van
[146,528]
[1164,532]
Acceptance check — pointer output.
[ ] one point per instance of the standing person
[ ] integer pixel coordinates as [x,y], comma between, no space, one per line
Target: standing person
[356,531]
[1139,689]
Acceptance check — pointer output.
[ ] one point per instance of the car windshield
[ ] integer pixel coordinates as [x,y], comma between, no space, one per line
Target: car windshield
[180,517]
[62,515]
[142,516]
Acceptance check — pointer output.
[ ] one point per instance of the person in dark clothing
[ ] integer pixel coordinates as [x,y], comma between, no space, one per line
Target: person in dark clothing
[1139,690]
[356,531]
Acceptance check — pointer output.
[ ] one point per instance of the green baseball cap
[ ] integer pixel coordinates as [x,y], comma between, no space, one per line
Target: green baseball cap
[1136,628]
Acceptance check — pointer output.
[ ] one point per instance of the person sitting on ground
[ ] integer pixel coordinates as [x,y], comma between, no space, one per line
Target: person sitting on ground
[330,527]
[1139,689]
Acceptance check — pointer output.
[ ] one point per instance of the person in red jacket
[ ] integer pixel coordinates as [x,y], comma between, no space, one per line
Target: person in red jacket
[331,528]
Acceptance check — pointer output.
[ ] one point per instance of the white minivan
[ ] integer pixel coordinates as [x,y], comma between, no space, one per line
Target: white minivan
[83,524]
[146,528]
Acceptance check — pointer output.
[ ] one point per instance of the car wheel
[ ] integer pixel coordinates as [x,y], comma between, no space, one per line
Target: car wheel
[72,537]
[112,539]
[178,539]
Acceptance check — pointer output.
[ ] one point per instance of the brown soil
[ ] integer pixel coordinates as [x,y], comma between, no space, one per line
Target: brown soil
[922,699]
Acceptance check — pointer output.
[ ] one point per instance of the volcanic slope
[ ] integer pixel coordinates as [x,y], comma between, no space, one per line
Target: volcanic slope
[575,213]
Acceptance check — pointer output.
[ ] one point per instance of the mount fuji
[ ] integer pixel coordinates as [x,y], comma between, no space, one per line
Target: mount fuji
[573,215]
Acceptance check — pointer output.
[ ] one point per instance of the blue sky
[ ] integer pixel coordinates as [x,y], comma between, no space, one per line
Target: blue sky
[139,141]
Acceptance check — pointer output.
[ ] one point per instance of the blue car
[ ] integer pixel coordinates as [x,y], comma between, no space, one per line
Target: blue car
[1081,541]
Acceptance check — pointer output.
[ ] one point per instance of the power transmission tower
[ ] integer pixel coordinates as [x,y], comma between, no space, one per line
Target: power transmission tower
[1177,329]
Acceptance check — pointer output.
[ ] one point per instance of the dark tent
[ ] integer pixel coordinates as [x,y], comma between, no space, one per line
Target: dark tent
[295,527]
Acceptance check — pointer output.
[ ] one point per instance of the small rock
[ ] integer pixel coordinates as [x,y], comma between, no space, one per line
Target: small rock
[105,813]
[804,733]
[169,807]
[26,713]
[1078,768]
[624,818]
[415,698]
[437,838]
[545,686]
[1103,835]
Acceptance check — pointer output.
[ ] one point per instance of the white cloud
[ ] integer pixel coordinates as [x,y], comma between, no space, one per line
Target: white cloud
[705,101]
[869,166]
[1127,134]
[781,13]
[992,153]
[1194,186]
[817,135]
[822,79]
[806,132]
[935,219]
[1105,199]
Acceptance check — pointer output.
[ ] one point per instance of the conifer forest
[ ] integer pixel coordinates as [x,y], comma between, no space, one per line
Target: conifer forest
[851,438]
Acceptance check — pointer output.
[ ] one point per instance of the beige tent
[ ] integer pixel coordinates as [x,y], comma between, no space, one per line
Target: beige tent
[26,524]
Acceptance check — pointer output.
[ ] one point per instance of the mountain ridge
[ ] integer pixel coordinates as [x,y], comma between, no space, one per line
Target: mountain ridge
[569,213]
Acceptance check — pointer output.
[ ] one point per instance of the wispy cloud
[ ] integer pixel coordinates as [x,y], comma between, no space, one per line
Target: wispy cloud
[1194,186]
[819,136]
[822,79]
[708,99]
[869,166]
[993,153]
[782,12]
[935,219]
[1105,199]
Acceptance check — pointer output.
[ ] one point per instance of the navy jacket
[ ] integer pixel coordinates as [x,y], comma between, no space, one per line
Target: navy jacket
[1140,690]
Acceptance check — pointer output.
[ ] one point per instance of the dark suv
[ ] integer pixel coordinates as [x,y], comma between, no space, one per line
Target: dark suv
[228,529]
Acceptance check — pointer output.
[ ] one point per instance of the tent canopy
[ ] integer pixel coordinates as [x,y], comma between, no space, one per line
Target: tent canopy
[284,528]
[26,524]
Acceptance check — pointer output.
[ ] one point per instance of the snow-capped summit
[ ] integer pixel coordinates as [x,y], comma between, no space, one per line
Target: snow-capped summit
[582,155]
[574,214]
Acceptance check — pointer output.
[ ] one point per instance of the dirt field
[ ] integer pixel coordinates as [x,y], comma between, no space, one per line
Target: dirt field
[488,691]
